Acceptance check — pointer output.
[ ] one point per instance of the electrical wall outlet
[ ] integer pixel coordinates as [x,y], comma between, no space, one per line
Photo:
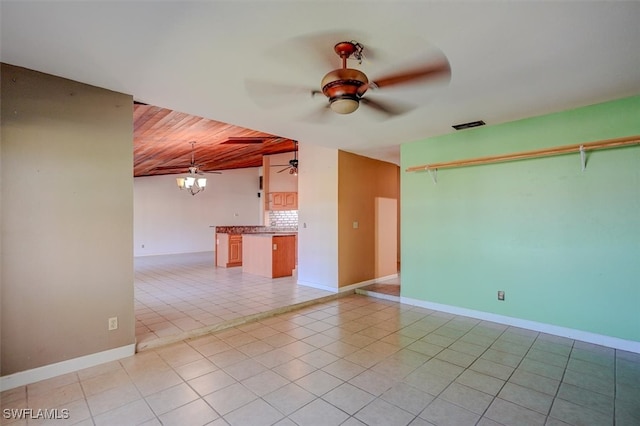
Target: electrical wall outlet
[500,295]
[113,323]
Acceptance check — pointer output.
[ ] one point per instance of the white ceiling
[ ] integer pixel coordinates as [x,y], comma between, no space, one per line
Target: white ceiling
[509,59]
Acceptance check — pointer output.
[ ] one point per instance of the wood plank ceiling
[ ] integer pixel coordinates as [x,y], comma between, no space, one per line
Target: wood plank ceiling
[162,143]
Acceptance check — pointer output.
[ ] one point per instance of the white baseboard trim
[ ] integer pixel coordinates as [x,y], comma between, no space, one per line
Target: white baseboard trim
[388,277]
[318,286]
[22,378]
[348,288]
[585,336]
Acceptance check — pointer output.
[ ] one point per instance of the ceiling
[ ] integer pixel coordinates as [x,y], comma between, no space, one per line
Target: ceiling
[168,142]
[212,60]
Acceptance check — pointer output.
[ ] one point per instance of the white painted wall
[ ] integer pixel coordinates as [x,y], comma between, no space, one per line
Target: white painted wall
[318,217]
[167,220]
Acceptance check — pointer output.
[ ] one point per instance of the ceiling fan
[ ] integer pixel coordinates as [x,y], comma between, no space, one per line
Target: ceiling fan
[293,164]
[345,87]
[192,168]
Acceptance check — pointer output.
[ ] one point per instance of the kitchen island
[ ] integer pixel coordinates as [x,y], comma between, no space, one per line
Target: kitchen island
[269,254]
[228,242]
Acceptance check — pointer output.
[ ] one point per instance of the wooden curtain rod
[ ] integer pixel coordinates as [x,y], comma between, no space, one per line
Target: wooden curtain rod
[559,150]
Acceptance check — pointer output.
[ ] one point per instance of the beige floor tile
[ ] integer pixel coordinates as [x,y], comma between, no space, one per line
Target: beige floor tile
[578,414]
[526,397]
[586,398]
[195,369]
[153,382]
[57,397]
[348,398]
[255,413]
[230,398]
[134,413]
[381,413]
[408,398]
[211,382]
[179,354]
[535,382]
[171,398]
[197,412]
[466,397]
[374,383]
[113,398]
[508,413]
[46,386]
[294,369]
[265,382]
[481,382]
[317,413]
[318,382]
[441,412]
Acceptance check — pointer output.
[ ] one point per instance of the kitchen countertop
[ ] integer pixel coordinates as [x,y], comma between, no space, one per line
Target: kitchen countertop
[252,229]
[270,234]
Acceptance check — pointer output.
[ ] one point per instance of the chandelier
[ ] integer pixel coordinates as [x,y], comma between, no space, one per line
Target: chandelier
[193,182]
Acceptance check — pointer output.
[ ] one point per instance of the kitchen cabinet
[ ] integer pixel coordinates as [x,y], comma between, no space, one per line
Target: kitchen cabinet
[269,255]
[228,250]
[283,201]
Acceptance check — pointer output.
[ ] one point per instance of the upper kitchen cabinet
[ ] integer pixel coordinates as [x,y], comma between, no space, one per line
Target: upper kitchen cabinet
[283,201]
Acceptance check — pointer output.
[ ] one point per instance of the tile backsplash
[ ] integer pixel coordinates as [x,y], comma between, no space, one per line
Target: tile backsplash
[283,218]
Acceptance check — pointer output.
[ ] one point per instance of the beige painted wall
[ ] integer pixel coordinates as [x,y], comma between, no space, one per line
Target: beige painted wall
[361,181]
[67,219]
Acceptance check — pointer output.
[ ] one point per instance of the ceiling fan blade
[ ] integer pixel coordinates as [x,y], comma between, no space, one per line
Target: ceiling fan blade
[171,168]
[249,139]
[438,69]
[280,171]
[390,109]
[319,115]
[268,94]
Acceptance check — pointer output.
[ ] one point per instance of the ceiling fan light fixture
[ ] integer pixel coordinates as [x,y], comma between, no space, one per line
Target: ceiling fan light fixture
[344,104]
[341,86]
[192,182]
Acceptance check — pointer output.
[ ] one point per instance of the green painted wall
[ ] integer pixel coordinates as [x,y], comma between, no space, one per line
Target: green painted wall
[563,244]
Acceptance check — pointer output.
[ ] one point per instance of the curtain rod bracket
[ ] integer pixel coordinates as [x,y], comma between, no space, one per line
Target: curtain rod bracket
[583,158]
[434,175]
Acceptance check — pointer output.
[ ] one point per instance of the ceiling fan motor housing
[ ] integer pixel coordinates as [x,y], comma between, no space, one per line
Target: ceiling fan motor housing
[341,87]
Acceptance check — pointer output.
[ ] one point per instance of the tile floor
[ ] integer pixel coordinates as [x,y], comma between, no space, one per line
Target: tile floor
[179,296]
[355,360]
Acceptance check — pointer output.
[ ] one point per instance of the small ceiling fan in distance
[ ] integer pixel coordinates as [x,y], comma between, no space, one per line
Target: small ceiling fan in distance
[293,163]
[192,167]
[346,88]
